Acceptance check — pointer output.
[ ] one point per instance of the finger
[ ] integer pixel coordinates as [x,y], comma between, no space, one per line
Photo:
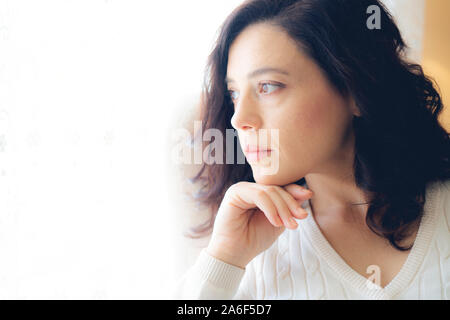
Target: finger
[293,204]
[298,192]
[264,202]
[283,209]
[245,197]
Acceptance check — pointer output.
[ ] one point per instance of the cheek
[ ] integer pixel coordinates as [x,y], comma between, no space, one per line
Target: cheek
[311,119]
[312,131]
[304,126]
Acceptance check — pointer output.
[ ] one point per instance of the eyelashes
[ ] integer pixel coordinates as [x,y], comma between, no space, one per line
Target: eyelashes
[263,87]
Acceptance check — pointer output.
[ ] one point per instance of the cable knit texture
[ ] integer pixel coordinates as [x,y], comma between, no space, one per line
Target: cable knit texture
[301,264]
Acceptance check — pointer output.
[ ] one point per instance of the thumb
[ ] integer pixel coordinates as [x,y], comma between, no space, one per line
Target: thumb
[298,192]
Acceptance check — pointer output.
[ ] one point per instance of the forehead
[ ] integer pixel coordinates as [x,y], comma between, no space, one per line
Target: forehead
[262,45]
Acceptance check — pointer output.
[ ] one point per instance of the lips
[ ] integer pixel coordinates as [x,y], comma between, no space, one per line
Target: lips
[250,149]
[254,153]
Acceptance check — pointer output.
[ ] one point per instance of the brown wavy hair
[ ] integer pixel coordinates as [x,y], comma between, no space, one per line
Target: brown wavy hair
[400,145]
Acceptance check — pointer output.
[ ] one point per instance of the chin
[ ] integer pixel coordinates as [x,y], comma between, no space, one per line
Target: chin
[274,179]
[266,180]
[277,179]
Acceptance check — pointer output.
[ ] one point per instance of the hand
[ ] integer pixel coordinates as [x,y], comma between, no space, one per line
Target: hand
[251,217]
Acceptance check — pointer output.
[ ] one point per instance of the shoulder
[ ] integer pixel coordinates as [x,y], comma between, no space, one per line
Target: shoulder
[445,185]
[439,192]
[443,188]
[445,197]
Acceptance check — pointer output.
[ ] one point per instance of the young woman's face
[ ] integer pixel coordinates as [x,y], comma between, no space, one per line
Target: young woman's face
[313,120]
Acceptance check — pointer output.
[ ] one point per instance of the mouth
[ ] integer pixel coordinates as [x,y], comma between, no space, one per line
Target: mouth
[257,155]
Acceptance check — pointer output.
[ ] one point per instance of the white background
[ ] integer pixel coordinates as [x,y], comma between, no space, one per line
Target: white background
[88,90]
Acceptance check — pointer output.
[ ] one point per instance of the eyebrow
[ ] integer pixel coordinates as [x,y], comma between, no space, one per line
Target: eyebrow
[260,71]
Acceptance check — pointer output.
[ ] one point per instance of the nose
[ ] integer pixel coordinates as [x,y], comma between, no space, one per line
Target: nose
[245,115]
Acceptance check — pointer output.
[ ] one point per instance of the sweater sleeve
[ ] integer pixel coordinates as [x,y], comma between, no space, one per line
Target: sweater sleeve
[211,279]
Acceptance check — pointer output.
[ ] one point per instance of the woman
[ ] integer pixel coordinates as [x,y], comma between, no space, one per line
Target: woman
[359,207]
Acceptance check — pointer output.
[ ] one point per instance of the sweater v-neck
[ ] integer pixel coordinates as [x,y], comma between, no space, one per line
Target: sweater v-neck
[407,272]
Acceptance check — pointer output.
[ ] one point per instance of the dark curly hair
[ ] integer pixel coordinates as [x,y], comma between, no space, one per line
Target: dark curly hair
[400,145]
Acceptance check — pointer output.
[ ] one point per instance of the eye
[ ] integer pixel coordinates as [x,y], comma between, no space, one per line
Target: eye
[265,88]
[231,92]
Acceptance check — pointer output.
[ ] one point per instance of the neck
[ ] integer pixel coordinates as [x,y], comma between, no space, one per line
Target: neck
[335,189]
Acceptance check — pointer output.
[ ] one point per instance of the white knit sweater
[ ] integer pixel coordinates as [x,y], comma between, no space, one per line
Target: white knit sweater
[301,264]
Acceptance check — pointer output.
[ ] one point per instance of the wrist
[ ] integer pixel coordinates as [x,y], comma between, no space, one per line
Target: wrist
[230,258]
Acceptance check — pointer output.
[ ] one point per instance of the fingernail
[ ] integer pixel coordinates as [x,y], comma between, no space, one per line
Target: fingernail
[293,222]
[302,213]
[279,222]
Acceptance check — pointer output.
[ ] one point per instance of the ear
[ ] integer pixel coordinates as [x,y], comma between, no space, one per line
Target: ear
[353,108]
